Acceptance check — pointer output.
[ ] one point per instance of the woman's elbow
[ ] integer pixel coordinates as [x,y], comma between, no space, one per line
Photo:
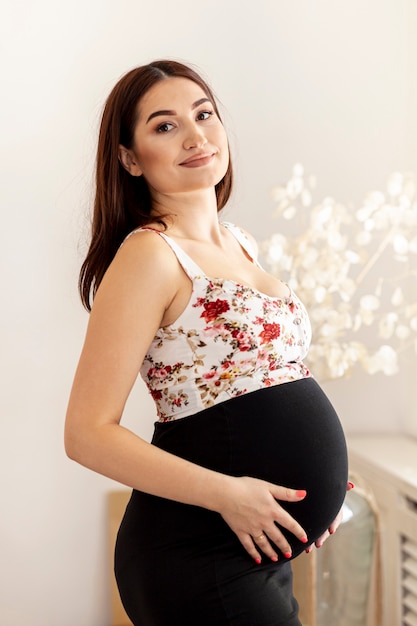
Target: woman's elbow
[72,442]
[70,447]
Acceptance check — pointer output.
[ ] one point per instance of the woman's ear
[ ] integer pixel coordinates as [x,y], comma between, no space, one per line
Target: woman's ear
[128,160]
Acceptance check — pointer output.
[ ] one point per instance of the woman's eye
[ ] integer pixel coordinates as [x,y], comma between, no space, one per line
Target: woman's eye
[165,127]
[204,115]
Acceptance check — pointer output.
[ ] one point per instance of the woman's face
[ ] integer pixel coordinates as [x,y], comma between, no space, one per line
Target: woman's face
[180,144]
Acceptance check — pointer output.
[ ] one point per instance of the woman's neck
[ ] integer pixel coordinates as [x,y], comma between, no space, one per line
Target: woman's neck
[190,216]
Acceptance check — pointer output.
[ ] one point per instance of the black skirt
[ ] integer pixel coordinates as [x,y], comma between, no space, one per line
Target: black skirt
[178,564]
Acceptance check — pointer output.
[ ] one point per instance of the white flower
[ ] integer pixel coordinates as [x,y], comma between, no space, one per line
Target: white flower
[387,325]
[289,212]
[298,170]
[384,360]
[397,297]
[400,244]
[402,331]
[369,302]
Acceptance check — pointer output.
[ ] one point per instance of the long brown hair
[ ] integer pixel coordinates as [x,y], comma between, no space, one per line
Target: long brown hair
[123,202]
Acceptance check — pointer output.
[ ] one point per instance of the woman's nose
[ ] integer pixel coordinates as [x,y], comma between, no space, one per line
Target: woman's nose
[194,138]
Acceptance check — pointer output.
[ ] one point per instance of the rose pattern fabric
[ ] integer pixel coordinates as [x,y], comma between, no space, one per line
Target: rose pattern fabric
[230,340]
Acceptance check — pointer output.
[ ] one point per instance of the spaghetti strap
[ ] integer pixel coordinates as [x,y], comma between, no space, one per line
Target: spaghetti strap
[244,241]
[189,266]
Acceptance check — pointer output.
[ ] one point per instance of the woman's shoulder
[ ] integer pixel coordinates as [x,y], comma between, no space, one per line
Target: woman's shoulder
[145,252]
[142,277]
[147,233]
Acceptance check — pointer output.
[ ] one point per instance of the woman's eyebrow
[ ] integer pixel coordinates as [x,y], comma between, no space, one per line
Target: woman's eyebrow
[171,112]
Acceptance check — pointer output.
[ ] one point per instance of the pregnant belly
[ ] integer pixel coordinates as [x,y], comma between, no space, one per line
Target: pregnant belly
[288,434]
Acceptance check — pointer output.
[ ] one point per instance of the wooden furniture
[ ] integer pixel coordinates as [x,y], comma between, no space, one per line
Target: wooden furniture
[388,465]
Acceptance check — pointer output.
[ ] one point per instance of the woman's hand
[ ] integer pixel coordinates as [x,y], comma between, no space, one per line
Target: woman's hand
[332,528]
[251,509]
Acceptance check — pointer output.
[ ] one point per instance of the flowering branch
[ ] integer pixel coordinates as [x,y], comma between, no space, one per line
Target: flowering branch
[344,266]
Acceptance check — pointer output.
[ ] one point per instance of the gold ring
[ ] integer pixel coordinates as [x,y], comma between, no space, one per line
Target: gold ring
[261,536]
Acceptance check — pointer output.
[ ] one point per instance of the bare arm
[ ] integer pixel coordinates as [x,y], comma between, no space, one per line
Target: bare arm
[138,290]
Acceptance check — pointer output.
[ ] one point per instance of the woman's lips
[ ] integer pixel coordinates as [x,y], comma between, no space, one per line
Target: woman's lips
[198,160]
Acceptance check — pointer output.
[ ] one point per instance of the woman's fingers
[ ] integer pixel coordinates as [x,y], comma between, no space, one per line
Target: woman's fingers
[283,517]
[335,525]
[322,539]
[272,533]
[332,528]
[253,512]
[287,494]
[263,544]
[250,547]
[258,545]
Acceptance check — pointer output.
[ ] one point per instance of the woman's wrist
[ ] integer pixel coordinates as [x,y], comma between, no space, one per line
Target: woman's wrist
[216,492]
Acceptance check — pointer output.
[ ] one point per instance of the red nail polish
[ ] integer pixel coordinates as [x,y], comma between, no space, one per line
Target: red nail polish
[303,539]
[287,555]
[351,485]
[257,561]
[274,558]
[301,493]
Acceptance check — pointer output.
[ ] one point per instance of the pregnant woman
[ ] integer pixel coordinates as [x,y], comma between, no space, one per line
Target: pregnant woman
[247,467]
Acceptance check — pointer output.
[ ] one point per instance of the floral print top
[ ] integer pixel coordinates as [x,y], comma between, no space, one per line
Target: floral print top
[230,340]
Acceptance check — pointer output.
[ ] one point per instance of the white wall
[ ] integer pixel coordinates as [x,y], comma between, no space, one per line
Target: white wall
[325,82]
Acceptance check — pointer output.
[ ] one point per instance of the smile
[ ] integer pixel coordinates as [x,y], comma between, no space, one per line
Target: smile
[198,160]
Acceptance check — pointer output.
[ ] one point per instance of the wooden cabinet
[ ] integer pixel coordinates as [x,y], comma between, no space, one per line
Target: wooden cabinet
[388,465]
